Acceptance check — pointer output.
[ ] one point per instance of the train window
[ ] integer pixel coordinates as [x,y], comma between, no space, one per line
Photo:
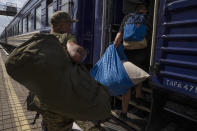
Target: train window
[29,23]
[25,25]
[13,31]
[64,5]
[50,12]
[20,27]
[16,29]
[38,17]
[10,32]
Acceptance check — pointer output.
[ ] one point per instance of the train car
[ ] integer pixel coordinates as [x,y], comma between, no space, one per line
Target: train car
[93,31]
[174,66]
[24,25]
[35,15]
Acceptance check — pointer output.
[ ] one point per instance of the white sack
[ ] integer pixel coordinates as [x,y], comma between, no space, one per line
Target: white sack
[136,74]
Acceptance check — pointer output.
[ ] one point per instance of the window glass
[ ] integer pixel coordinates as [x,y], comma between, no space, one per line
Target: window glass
[50,12]
[16,29]
[24,25]
[13,31]
[64,5]
[29,23]
[38,17]
[20,26]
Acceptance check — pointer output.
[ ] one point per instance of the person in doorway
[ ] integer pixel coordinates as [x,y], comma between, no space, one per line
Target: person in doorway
[136,56]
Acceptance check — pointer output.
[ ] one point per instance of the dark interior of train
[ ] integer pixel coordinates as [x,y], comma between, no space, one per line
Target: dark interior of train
[121,8]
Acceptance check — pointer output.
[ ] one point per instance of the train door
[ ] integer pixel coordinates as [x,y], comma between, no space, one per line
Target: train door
[115,11]
[174,62]
[83,11]
[138,109]
[85,27]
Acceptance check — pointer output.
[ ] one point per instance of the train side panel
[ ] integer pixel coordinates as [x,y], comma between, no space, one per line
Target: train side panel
[174,62]
[88,30]
[175,57]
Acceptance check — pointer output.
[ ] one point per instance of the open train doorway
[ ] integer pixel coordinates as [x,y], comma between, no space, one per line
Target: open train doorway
[118,9]
[85,27]
[138,111]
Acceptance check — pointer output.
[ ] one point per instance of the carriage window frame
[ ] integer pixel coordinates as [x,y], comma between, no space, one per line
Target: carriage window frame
[49,13]
[25,25]
[29,24]
[16,29]
[13,30]
[38,23]
[20,27]
[65,4]
[10,32]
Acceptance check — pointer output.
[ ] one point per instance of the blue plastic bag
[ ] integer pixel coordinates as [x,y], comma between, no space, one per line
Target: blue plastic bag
[110,72]
[131,31]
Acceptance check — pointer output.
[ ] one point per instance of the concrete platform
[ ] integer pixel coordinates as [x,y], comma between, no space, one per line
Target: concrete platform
[13,113]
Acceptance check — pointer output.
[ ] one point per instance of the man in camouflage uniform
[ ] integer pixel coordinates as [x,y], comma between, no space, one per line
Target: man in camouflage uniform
[60,26]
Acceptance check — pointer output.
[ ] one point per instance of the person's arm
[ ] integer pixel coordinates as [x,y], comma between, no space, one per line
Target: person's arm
[76,52]
[119,35]
[118,39]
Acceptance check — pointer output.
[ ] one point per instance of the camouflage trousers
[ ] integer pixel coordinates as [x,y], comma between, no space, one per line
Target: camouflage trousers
[54,122]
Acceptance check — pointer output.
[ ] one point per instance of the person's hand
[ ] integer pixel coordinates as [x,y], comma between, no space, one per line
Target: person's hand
[76,52]
[118,39]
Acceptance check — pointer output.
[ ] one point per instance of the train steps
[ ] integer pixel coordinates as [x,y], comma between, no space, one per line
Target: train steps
[112,124]
[138,113]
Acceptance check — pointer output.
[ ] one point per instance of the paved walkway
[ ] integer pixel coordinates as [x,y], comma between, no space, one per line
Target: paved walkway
[13,113]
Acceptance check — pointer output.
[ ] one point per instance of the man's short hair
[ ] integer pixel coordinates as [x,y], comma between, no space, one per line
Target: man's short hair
[61,16]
